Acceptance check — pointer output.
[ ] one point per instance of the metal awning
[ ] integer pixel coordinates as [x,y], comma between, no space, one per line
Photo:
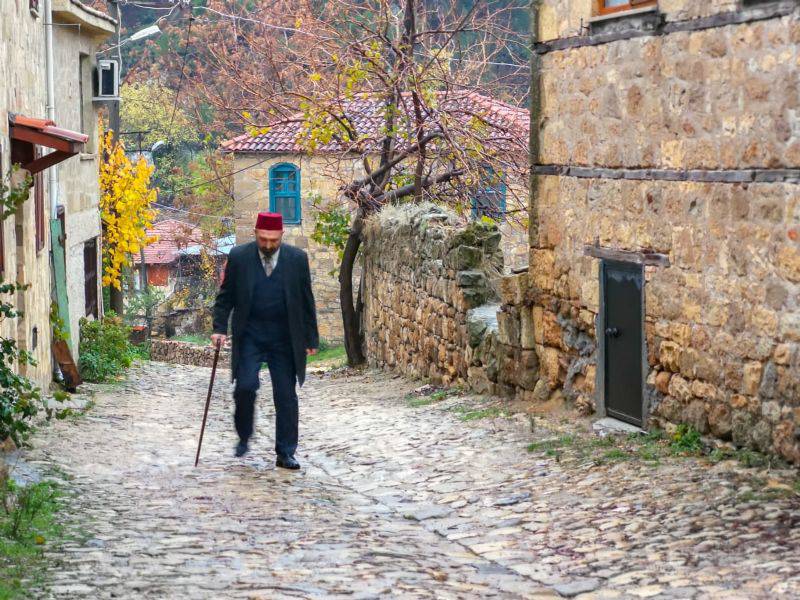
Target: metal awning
[44,132]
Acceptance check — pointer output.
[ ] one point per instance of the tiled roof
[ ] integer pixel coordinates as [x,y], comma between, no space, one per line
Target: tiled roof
[47,127]
[366,116]
[173,235]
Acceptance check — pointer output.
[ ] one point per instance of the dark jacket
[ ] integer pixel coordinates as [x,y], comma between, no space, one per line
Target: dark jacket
[236,294]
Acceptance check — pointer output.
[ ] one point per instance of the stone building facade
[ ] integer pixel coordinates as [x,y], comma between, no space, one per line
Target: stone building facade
[665,258]
[77,32]
[665,229]
[22,56]
[79,190]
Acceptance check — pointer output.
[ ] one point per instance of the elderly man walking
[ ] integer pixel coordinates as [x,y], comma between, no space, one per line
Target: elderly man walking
[267,285]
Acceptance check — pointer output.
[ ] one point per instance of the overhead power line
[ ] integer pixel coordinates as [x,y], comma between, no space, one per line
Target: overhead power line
[183,72]
[190,212]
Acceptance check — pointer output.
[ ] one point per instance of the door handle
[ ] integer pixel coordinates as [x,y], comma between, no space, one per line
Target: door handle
[612,332]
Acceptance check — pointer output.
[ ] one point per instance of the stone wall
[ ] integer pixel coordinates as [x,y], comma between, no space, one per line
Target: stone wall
[431,291]
[23,91]
[685,144]
[682,146]
[184,353]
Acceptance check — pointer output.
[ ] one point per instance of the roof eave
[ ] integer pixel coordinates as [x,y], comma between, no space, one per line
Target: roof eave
[92,21]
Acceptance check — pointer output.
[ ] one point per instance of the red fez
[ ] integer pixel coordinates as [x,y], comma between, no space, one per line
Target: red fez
[269,221]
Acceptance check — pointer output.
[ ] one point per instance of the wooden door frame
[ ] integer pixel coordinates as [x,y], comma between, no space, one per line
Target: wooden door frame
[600,336]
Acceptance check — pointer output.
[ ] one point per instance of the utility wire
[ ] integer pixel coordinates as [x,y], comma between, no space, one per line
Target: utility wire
[190,212]
[183,70]
[221,177]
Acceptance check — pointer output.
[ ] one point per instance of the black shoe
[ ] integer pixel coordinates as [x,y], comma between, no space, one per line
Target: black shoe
[287,462]
[241,449]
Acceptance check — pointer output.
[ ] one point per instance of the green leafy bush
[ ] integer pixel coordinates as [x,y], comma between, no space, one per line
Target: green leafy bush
[20,400]
[105,350]
[686,440]
[28,524]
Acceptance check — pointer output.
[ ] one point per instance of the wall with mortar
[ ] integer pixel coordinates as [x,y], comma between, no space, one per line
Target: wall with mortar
[23,91]
[431,292]
[184,353]
[685,144]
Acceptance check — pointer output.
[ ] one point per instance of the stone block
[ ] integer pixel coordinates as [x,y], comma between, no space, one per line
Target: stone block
[464,258]
[527,333]
[785,354]
[550,365]
[552,332]
[786,440]
[538,324]
[662,381]
[719,419]
[471,279]
[704,390]
[741,424]
[752,378]
[474,297]
[541,391]
[513,289]
[528,370]
[508,324]
[788,262]
[669,356]
[760,436]
[679,388]
[695,414]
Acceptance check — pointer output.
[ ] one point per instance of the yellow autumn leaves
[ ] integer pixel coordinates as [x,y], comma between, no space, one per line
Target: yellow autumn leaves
[125,199]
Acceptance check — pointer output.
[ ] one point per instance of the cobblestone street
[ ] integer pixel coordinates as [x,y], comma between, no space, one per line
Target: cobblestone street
[394,500]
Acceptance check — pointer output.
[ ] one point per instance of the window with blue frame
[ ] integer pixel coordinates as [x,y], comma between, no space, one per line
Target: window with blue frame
[489,200]
[284,192]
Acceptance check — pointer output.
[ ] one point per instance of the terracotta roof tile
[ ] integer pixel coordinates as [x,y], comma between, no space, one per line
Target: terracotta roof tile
[48,127]
[366,116]
[173,235]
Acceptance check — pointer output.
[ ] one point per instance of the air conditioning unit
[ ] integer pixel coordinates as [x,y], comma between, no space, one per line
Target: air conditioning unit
[106,80]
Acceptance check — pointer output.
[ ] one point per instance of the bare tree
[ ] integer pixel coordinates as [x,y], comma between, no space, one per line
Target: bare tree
[398,87]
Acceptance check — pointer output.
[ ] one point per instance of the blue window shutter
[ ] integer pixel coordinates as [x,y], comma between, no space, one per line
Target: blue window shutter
[490,199]
[284,192]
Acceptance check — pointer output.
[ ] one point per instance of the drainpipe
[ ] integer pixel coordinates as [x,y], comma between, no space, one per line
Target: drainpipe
[52,172]
[536,112]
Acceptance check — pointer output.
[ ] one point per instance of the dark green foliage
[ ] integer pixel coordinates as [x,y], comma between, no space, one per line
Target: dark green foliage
[686,440]
[105,351]
[28,525]
[20,400]
[331,226]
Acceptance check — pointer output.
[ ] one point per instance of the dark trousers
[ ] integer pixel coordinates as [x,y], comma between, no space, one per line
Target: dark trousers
[278,356]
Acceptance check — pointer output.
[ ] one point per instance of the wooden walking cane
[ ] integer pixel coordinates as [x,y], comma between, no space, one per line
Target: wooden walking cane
[208,400]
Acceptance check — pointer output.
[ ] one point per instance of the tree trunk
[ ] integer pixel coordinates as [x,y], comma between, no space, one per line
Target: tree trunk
[351,317]
[116,301]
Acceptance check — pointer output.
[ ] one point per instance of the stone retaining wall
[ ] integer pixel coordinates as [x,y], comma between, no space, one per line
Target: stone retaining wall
[185,353]
[431,301]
